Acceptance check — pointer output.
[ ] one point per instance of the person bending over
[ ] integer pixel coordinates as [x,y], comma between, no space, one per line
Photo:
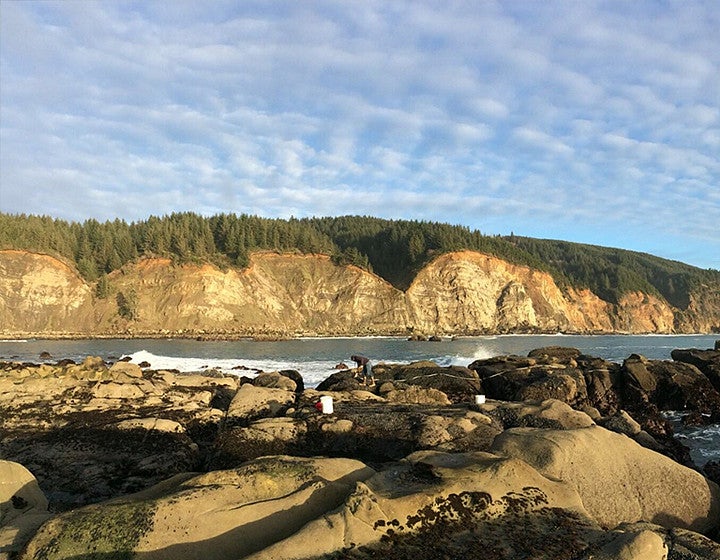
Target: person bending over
[365,367]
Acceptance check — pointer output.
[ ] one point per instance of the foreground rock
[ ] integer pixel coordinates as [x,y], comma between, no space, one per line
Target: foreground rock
[244,511]
[428,505]
[90,432]
[404,470]
[619,481]
[23,507]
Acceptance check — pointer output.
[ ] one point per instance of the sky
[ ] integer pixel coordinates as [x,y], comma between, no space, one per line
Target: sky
[589,121]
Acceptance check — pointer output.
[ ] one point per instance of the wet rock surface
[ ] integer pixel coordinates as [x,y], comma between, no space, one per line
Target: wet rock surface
[640,387]
[90,431]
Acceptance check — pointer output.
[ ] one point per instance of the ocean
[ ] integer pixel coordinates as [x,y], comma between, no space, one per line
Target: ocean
[316,358]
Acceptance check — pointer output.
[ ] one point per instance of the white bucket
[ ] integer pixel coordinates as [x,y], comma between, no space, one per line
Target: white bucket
[479,399]
[327,404]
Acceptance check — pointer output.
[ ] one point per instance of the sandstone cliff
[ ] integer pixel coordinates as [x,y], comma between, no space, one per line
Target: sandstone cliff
[39,294]
[291,294]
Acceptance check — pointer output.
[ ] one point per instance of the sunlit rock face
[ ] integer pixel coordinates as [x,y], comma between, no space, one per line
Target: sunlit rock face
[290,294]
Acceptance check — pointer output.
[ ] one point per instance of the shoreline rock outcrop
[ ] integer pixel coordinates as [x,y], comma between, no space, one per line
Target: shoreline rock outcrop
[115,460]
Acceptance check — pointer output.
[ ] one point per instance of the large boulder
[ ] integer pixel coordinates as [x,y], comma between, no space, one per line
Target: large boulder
[275,380]
[121,371]
[296,377]
[707,361]
[669,385]
[459,383]
[432,499]
[618,480]
[218,515]
[512,378]
[549,413]
[251,403]
[23,507]
[344,380]
[417,395]
[553,372]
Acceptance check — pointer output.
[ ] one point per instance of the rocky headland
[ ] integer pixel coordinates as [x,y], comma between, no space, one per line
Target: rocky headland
[568,457]
[286,295]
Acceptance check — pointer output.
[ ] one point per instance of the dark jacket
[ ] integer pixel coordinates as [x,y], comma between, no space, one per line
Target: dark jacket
[359,360]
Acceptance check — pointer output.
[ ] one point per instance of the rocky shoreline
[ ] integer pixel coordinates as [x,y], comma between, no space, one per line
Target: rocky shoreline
[270,335]
[568,457]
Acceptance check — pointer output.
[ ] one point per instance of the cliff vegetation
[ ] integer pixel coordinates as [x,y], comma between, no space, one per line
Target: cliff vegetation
[395,250]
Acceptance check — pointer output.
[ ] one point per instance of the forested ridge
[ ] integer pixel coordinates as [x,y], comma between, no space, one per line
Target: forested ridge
[393,249]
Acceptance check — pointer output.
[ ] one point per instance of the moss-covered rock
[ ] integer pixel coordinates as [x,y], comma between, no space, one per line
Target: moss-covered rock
[108,532]
[221,515]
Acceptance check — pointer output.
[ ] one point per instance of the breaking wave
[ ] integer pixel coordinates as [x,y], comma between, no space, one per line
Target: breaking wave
[313,372]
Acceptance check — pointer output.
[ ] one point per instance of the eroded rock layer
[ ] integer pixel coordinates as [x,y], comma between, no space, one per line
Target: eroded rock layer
[290,294]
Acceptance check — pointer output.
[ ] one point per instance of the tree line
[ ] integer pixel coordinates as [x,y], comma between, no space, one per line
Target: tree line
[393,249]
[610,272]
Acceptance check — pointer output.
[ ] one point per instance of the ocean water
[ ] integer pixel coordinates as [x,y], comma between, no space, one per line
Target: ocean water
[316,358]
[703,441]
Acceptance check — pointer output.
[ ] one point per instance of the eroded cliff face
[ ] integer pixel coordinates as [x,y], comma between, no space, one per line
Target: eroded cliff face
[468,291]
[292,294]
[39,293]
[283,294]
[702,312]
[639,312]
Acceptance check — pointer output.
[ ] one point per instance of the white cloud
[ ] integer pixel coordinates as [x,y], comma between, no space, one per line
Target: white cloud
[487,107]
[541,140]
[535,117]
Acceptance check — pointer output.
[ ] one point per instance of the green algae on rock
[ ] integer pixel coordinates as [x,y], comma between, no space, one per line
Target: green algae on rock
[108,532]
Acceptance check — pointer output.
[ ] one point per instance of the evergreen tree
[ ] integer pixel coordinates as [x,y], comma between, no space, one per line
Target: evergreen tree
[102,288]
[127,303]
[393,249]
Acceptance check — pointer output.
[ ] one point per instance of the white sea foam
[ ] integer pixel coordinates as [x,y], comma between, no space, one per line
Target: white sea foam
[313,372]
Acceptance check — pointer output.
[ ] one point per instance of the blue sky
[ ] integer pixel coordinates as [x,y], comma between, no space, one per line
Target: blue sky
[589,121]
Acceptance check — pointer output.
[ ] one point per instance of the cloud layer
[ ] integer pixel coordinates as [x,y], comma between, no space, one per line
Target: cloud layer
[592,122]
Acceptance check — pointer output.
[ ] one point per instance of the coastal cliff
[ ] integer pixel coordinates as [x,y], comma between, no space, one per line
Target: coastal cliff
[461,293]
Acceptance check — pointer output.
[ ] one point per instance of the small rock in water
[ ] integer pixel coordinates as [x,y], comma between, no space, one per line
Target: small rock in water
[696,418]
[65,362]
